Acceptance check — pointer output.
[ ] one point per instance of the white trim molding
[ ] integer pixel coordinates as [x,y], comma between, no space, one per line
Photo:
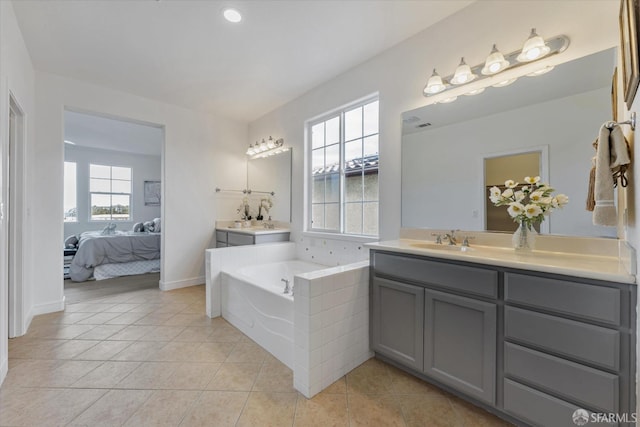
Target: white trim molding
[177,284]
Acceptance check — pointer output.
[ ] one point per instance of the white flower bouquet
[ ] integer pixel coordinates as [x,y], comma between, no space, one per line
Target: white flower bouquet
[265,204]
[530,203]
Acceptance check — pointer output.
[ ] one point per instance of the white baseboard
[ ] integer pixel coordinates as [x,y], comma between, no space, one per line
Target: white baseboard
[177,284]
[4,368]
[49,307]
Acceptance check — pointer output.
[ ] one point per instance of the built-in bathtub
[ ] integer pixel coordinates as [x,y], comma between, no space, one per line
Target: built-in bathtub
[321,333]
[253,300]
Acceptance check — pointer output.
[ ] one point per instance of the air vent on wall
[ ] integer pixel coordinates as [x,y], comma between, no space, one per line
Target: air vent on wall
[423,125]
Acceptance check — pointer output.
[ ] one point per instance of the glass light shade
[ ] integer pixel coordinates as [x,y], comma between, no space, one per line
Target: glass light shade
[505,83]
[448,100]
[534,48]
[250,150]
[463,74]
[541,71]
[271,143]
[494,63]
[232,15]
[475,91]
[434,84]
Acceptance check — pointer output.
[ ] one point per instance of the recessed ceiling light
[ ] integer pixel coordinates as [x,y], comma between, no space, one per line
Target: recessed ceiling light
[232,15]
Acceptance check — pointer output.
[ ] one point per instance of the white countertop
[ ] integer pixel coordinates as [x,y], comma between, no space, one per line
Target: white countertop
[254,230]
[599,267]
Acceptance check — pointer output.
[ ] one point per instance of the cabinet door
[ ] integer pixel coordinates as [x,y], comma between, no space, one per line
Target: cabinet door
[460,343]
[397,316]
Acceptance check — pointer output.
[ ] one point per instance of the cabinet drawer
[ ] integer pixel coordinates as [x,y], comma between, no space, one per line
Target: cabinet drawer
[577,299]
[473,280]
[536,407]
[221,236]
[237,239]
[221,245]
[579,340]
[594,388]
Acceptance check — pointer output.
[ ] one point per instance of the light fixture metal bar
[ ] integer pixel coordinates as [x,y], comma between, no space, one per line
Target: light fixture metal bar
[557,44]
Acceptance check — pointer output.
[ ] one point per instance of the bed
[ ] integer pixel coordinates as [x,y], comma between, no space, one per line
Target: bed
[118,254]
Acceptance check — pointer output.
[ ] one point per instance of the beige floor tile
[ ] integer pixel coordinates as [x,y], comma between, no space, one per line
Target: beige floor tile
[162,333]
[87,307]
[104,350]
[235,377]
[324,410]
[247,353]
[34,349]
[107,375]
[274,377]
[122,308]
[268,409]
[374,410]
[403,383]
[149,375]
[62,318]
[372,377]
[213,352]
[194,334]
[196,308]
[100,332]
[164,408]
[216,408]
[183,319]
[154,319]
[145,308]
[175,351]
[191,376]
[72,348]
[28,372]
[429,410]
[112,409]
[69,332]
[172,308]
[143,351]
[132,333]
[14,403]
[126,318]
[97,319]
[65,374]
[54,407]
[338,387]
[473,416]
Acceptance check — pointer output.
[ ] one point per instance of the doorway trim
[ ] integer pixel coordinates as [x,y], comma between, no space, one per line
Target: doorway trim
[16,213]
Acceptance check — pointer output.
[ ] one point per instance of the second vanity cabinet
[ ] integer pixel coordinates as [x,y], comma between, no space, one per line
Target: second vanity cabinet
[225,238]
[530,346]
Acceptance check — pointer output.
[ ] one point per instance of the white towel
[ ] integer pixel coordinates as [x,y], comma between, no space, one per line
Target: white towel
[611,154]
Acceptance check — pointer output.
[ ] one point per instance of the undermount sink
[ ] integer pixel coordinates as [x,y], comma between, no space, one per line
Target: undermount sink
[441,247]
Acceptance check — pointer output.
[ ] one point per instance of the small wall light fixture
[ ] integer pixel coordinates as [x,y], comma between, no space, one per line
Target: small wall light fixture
[267,148]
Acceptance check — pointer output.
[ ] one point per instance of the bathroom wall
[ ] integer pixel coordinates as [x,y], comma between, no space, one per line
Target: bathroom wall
[399,75]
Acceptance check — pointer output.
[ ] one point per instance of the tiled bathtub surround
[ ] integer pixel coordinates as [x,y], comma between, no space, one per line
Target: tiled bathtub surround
[331,321]
[331,311]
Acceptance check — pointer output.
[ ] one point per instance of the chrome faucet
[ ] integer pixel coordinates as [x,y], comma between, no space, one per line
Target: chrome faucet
[451,237]
[287,289]
[465,242]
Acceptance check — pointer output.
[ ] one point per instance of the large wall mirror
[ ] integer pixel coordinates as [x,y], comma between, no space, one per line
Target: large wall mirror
[448,149]
[271,174]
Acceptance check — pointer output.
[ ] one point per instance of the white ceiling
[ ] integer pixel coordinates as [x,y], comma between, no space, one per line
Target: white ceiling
[91,131]
[183,52]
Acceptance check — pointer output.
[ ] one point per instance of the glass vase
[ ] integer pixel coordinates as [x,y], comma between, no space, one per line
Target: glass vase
[524,239]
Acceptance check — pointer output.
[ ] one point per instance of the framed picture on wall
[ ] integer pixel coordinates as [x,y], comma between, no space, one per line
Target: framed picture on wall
[152,193]
[629,48]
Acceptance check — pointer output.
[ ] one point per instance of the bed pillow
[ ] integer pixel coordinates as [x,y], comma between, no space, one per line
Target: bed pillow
[157,225]
[148,226]
[71,242]
[138,227]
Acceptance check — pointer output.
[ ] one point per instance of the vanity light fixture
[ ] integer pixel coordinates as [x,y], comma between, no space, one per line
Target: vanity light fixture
[463,74]
[505,83]
[232,15]
[488,73]
[534,48]
[434,84]
[266,148]
[494,63]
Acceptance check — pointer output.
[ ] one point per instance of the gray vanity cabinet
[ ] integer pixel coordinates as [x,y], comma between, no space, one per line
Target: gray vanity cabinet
[460,343]
[397,329]
[225,238]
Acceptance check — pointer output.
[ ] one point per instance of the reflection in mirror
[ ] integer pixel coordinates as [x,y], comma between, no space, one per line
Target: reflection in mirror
[499,169]
[444,146]
[271,174]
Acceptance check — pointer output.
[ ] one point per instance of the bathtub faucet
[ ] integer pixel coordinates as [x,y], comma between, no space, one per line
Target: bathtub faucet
[287,289]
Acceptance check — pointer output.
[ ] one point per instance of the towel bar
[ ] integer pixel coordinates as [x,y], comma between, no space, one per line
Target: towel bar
[631,121]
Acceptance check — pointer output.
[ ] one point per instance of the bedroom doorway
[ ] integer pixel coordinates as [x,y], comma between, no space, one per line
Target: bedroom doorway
[113,188]
[15,217]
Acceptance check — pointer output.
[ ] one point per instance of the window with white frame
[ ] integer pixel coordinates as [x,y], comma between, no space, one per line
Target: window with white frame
[110,193]
[344,170]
